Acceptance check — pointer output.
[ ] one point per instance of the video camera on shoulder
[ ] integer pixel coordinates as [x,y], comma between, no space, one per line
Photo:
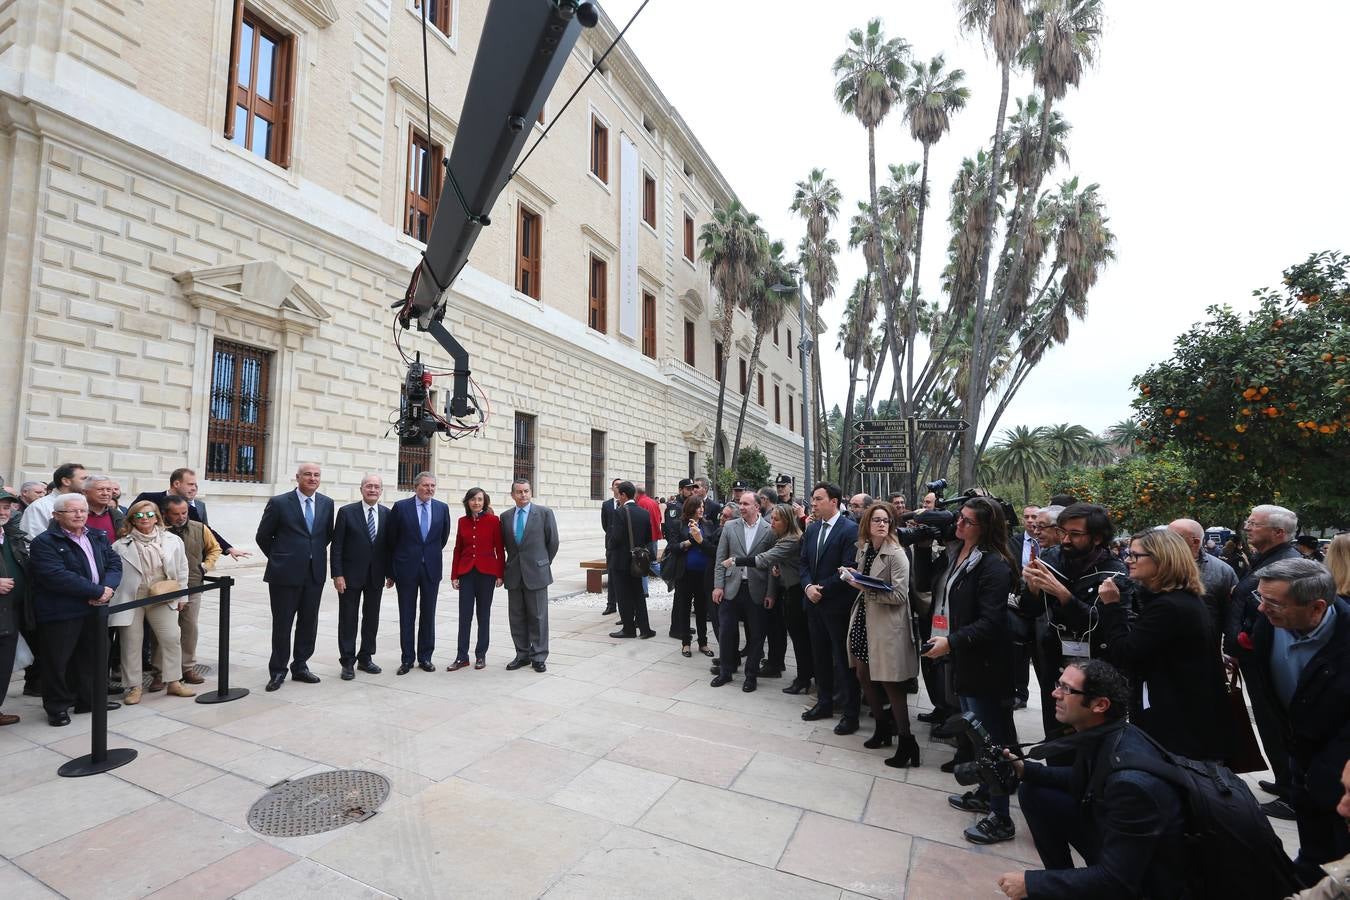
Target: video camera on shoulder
[989,767]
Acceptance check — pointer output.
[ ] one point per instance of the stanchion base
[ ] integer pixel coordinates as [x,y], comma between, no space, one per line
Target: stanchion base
[218,697]
[85,765]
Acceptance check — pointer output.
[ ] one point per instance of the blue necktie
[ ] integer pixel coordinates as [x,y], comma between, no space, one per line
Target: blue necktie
[520,525]
[426,522]
[309,514]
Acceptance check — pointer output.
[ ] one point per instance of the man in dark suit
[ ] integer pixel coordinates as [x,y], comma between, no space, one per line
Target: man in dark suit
[183,483]
[830,542]
[531,537]
[607,510]
[419,528]
[294,535]
[359,561]
[624,586]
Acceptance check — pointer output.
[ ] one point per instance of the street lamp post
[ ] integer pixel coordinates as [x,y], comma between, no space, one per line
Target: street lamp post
[804,346]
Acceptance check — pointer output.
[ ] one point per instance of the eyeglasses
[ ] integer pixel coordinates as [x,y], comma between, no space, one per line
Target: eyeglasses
[1069,691]
[1132,554]
[1073,533]
[884,520]
[967,520]
[145,515]
[1267,602]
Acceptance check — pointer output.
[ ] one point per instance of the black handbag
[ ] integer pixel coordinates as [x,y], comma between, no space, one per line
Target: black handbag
[641,565]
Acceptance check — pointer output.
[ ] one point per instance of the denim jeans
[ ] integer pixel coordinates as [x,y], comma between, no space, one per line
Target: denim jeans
[995,714]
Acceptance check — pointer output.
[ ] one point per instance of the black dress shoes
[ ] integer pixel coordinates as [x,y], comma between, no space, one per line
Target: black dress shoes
[610,610]
[647,635]
[517,664]
[368,667]
[797,687]
[817,712]
[304,676]
[274,681]
[716,669]
[720,680]
[58,719]
[347,673]
[426,667]
[932,717]
[404,669]
[622,634]
[750,684]
[540,667]
[846,725]
[768,671]
[80,709]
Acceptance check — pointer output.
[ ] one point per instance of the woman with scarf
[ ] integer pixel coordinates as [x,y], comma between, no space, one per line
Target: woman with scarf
[970,585]
[153,562]
[688,568]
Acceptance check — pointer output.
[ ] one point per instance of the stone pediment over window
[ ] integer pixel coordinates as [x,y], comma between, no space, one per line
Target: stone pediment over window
[260,292]
[321,12]
[698,433]
[692,301]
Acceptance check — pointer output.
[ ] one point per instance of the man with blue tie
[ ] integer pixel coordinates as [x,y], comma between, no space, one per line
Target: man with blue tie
[294,533]
[829,543]
[530,534]
[419,528]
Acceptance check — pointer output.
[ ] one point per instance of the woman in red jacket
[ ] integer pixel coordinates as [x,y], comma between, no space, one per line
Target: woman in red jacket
[476,568]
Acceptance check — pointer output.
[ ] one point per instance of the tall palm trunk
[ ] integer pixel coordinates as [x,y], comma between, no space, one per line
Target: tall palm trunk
[745,400]
[888,301]
[845,442]
[718,462]
[912,325]
[974,390]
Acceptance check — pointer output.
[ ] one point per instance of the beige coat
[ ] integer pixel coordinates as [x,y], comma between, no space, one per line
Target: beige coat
[890,640]
[175,563]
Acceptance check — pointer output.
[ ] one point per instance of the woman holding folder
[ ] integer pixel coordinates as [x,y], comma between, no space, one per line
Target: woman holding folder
[880,636]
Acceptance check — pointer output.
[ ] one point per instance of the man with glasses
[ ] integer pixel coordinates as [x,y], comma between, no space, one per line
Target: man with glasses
[1128,830]
[74,568]
[1299,665]
[1270,533]
[857,504]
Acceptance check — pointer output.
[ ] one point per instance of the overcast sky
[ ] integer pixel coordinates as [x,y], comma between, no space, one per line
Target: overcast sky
[1218,136]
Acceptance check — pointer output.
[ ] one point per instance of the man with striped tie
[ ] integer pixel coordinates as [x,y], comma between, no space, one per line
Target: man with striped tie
[360,565]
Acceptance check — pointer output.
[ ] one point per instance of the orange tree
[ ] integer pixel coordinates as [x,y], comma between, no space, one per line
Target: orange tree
[1258,408]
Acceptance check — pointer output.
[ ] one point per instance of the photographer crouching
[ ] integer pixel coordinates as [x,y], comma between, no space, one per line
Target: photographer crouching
[1125,823]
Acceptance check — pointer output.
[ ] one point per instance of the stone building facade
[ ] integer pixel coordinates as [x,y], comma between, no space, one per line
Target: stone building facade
[174,289]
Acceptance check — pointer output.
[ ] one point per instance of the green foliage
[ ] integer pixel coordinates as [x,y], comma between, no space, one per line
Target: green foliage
[1259,408]
[753,466]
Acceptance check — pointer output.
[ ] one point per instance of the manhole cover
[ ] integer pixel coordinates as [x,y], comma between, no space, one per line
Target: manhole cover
[318,803]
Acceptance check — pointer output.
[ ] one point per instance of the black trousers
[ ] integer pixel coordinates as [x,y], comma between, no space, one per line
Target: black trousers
[9,645]
[632,600]
[775,633]
[294,606]
[1057,823]
[690,590]
[475,596]
[828,621]
[1322,838]
[417,607]
[730,612]
[67,661]
[934,672]
[1269,723]
[361,602]
[794,617]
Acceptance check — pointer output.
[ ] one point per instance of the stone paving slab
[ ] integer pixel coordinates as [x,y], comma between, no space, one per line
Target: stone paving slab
[618,773]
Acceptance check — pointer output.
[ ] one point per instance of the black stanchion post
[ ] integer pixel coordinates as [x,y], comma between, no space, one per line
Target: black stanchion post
[100,758]
[224,693]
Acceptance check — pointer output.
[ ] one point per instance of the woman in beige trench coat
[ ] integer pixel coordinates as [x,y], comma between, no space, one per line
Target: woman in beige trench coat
[880,638]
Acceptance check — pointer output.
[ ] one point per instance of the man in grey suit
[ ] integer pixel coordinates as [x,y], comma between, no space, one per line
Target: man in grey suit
[739,591]
[294,534]
[531,537]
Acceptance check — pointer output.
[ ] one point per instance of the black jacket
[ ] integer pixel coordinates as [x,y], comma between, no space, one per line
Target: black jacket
[16,611]
[672,562]
[1169,647]
[1317,722]
[352,555]
[1242,613]
[977,607]
[618,549]
[1135,818]
[295,554]
[1079,617]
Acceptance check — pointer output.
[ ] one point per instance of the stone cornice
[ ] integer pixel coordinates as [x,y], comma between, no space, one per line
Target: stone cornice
[260,292]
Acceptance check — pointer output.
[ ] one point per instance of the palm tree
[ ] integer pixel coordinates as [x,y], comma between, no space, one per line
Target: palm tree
[1066,442]
[766,307]
[1125,435]
[1098,451]
[1024,142]
[855,340]
[733,247]
[1023,453]
[871,74]
[1004,25]
[816,199]
[930,98]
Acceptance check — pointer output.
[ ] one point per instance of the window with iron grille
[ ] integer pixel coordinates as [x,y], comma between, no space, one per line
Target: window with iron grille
[649,325]
[528,253]
[236,433]
[597,465]
[523,451]
[597,312]
[413,458]
[424,186]
[262,87]
[649,479]
[599,149]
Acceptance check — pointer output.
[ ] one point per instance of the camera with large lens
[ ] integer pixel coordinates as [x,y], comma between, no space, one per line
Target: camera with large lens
[989,766]
[928,525]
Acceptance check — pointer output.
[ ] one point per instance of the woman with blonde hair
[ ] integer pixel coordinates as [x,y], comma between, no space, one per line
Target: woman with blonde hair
[1338,561]
[880,636]
[1176,676]
[153,562]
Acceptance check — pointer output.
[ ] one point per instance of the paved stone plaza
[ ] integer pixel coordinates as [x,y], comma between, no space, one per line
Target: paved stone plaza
[618,773]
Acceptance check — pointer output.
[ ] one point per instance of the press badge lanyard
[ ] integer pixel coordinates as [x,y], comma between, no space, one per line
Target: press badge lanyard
[1082,647]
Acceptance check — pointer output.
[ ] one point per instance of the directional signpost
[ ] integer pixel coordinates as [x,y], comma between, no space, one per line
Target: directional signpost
[887,445]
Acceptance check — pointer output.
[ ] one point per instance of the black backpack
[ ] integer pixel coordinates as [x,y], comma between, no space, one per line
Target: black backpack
[1234,852]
